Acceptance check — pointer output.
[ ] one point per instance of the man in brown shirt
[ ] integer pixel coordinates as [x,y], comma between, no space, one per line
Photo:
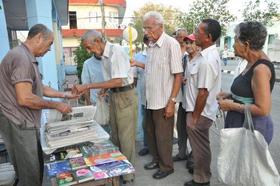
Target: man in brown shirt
[21,102]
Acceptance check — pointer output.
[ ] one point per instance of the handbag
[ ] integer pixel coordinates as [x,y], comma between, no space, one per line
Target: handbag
[244,158]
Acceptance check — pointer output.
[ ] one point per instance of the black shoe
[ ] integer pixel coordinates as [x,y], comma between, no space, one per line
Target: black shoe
[143,151]
[174,140]
[160,174]
[193,183]
[151,165]
[178,158]
[190,170]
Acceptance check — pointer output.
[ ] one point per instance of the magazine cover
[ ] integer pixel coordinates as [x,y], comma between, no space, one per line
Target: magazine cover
[83,175]
[112,169]
[77,163]
[56,156]
[65,179]
[104,158]
[57,167]
[98,173]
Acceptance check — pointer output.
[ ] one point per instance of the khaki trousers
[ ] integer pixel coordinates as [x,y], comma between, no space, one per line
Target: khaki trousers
[159,135]
[123,117]
[199,141]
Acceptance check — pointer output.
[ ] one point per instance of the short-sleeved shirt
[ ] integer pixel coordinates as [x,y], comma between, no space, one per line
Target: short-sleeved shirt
[115,64]
[92,73]
[204,71]
[19,65]
[140,74]
[163,61]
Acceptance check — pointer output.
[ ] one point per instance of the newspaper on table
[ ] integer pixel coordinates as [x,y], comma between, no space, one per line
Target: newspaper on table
[73,128]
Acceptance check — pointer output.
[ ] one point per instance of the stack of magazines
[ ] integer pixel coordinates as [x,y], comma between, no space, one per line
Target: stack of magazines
[86,161]
[75,127]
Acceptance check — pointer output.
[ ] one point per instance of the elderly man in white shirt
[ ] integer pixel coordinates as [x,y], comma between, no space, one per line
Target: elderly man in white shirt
[163,81]
[203,83]
[118,77]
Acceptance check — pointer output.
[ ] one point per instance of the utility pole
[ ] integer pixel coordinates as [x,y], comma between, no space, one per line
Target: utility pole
[101,2]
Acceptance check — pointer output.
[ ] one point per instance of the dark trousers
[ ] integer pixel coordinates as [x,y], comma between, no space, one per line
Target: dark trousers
[182,132]
[199,140]
[24,150]
[160,133]
[143,113]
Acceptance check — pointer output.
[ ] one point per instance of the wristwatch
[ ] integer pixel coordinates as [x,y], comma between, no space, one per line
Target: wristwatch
[173,99]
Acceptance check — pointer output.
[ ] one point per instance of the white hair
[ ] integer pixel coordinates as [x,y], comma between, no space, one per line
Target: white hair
[91,35]
[156,15]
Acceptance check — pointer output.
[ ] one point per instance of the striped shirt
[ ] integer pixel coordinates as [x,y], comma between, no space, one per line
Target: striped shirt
[163,61]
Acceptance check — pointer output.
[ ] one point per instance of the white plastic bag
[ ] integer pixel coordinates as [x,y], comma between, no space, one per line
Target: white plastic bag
[244,158]
[102,111]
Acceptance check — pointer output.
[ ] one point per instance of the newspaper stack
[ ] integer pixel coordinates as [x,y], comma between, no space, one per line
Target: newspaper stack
[76,127]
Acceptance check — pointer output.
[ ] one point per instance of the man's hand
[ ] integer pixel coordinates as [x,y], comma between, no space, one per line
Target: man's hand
[133,63]
[79,89]
[169,110]
[63,107]
[192,123]
[103,93]
[70,95]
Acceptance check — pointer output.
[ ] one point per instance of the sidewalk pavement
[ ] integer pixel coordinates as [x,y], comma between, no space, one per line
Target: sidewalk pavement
[180,175]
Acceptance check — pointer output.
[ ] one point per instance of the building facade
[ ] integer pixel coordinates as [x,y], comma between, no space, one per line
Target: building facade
[103,15]
[18,15]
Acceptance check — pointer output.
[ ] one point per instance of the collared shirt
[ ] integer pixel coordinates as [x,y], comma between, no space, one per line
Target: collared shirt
[92,73]
[204,71]
[115,64]
[180,97]
[140,74]
[19,65]
[163,61]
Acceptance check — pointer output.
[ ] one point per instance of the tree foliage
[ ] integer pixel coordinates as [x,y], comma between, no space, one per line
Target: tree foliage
[262,11]
[80,56]
[169,14]
[202,9]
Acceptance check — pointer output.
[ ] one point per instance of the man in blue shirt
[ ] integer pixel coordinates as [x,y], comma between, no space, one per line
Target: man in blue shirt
[141,57]
[92,73]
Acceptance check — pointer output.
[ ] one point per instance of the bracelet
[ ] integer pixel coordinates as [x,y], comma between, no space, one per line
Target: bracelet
[241,108]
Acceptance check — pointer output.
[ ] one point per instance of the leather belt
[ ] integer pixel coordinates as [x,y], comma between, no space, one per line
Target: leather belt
[122,89]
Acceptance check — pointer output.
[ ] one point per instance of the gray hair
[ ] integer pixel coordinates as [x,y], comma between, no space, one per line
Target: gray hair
[91,36]
[252,32]
[156,15]
[178,31]
[37,29]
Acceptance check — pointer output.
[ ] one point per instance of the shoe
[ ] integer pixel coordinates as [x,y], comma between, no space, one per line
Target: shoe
[193,183]
[127,181]
[162,174]
[178,158]
[174,140]
[143,151]
[190,170]
[151,165]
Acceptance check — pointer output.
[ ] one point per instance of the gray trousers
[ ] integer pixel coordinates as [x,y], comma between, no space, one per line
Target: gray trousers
[123,119]
[24,150]
[182,132]
[199,140]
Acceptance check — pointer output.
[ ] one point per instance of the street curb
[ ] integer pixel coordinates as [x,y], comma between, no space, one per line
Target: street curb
[232,73]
